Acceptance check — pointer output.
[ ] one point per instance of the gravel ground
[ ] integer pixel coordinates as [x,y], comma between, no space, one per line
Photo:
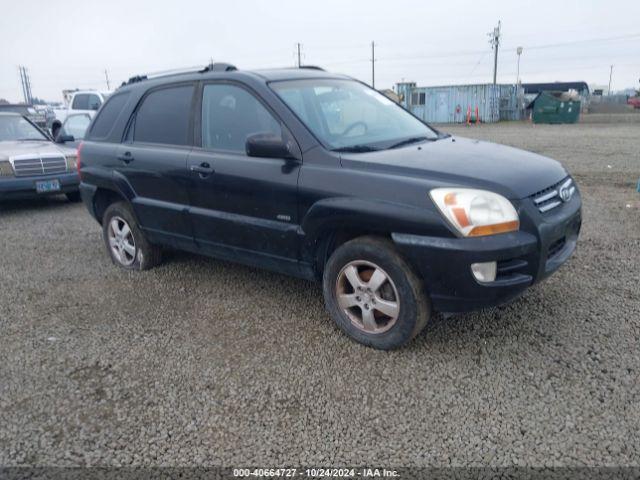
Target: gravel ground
[208,363]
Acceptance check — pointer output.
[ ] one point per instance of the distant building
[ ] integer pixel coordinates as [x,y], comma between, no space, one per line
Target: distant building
[452,104]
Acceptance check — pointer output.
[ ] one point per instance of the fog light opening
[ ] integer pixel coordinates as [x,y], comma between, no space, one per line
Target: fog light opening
[484,272]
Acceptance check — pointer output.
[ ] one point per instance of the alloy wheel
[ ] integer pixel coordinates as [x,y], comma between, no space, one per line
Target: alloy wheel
[121,241]
[368,296]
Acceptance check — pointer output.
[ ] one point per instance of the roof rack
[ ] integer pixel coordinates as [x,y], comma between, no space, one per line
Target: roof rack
[219,67]
[312,67]
[212,67]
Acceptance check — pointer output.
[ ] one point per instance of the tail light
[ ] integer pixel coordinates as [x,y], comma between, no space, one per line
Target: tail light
[79,160]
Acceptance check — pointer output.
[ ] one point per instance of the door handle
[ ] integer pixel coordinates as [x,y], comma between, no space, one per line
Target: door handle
[126,158]
[204,169]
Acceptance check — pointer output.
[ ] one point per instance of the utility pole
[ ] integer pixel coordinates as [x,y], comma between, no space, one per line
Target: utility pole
[299,47]
[26,85]
[24,91]
[373,65]
[26,76]
[519,52]
[495,43]
[610,75]
[106,76]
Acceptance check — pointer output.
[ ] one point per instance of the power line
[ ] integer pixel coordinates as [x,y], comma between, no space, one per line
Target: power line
[577,42]
[477,64]
[464,53]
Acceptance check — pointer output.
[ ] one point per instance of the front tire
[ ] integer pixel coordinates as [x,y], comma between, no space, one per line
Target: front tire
[373,294]
[126,245]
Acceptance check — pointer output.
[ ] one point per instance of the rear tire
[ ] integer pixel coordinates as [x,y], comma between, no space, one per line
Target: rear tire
[373,294]
[126,245]
[73,197]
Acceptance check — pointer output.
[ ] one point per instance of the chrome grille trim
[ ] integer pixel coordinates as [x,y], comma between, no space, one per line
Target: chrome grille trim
[550,206]
[544,198]
[44,164]
[549,198]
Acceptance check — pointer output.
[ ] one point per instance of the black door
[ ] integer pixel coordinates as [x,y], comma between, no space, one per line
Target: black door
[242,207]
[153,164]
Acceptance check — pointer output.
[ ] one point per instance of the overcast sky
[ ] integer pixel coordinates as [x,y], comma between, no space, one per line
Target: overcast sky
[68,44]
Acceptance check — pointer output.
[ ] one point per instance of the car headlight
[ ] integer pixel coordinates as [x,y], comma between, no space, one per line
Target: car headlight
[72,163]
[6,170]
[475,213]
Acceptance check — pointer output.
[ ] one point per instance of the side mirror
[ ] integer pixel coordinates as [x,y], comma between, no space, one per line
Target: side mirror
[267,145]
[94,106]
[64,138]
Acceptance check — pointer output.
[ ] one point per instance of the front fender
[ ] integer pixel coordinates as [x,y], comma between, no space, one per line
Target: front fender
[370,216]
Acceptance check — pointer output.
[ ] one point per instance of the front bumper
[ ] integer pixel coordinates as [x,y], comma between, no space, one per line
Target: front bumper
[13,188]
[524,257]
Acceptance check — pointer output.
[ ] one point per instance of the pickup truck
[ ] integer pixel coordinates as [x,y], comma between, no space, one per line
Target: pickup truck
[78,101]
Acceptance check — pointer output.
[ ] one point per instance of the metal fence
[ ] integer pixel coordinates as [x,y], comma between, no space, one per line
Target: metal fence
[452,104]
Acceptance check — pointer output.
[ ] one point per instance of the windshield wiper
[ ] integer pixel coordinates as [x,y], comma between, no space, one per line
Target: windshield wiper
[30,140]
[356,149]
[408,141]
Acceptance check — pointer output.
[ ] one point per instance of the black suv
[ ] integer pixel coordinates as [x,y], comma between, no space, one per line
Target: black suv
[316,175]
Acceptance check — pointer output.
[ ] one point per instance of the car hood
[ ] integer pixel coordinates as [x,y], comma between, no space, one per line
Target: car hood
[458,161]
[12,149]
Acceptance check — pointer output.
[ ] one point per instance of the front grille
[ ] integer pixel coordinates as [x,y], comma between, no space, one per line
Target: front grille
[556,247]
[551,197]
[45,164]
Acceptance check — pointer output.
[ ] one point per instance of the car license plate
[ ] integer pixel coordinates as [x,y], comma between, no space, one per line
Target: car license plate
[46,186]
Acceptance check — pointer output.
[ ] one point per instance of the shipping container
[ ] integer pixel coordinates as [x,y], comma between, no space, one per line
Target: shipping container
[452,104]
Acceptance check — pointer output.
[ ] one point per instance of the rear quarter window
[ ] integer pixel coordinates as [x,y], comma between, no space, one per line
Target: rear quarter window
[107,117]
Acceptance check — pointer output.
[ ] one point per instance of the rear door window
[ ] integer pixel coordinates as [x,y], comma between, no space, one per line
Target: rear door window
[164,116]
[94,102]
[80,102]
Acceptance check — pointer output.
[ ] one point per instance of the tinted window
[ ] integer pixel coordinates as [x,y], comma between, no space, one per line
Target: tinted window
[164,116]
[80,102]
[94,102]
[230,114]
[108,115]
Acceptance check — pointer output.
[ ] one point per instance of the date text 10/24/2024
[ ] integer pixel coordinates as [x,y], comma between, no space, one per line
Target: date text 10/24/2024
[316,472]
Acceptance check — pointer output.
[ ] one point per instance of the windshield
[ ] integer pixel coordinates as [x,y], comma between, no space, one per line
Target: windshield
[346,115]
[14,108]
[14,128]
